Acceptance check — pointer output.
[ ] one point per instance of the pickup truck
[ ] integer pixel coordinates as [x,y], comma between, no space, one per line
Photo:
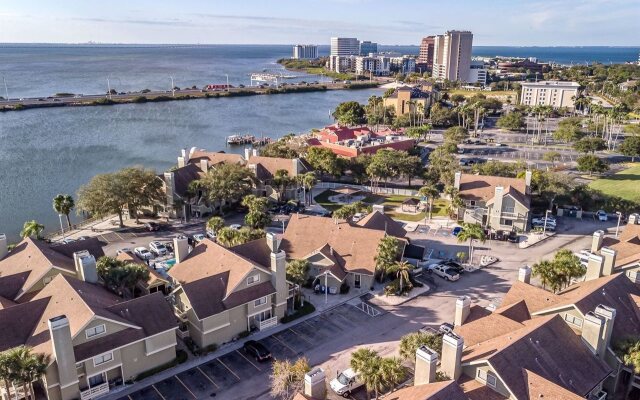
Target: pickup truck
[346,382]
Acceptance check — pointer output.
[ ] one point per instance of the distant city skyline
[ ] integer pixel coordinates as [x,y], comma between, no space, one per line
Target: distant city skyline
[404,22]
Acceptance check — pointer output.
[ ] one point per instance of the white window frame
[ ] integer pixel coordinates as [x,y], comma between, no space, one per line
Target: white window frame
[104,358]
[260,301]
[253,279]
[104,330]
[487,377]
[573,320]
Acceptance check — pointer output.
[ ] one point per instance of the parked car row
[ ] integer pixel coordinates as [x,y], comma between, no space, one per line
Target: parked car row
[448,270]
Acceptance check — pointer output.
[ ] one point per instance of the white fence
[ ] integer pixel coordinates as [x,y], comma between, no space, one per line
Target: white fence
[371,189]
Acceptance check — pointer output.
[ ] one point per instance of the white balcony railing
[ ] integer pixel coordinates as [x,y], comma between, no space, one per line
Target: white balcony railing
[268,323]
[94,391]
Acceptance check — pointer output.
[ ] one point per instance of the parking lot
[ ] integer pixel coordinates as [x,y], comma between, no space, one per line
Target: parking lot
[220,377]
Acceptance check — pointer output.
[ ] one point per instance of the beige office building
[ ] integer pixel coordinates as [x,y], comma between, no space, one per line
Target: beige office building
[452,56]
[549,93]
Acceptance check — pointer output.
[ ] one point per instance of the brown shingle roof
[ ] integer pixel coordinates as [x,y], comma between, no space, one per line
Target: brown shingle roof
[182,177]
[628,246]
[256,250]
[26,264]
[93,245]
[215,157]
[475,390]
[486,328]
[546,346]
[446,390]
[266,167]
[541,388]
[382,222]
[482,188]
[536,299]
[355,245]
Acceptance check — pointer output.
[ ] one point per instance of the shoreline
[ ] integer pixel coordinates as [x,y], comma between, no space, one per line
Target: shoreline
[156,97]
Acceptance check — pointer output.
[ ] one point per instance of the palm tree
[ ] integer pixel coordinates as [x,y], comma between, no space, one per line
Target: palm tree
[34,367]
[5,371]
[63,204]
[402,270]
[366,363]
[392,371]
[307,181]
[429,192]
[18,358]
[282,181]
[214,224]
[32,228]
[543,271]
[471,232]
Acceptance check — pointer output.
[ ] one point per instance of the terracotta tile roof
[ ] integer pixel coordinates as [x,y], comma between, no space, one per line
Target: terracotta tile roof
[355,245]
[26,264]
[210,275]
[539,387]
[482,188]
[215,157]
[382,222]
[266,167]
[545,346]
[475,390]
[446,390]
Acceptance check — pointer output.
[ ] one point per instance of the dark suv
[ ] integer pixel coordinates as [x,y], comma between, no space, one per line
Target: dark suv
[257,350]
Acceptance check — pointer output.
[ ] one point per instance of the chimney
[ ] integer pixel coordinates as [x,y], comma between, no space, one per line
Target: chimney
[204,165]
[181,162]
[272,242]
[279,277]
[456,182]
[634,219]
[426,363]
[498,194]
[593,332]
[377,207]
[86,269]
[247,153]
[524,274]
[62,345]
[255,152]
[594,267]
[463,306]
[170,187]
[596,242]
[608,314]
[527,181]
[4,248]
[187,155]
[180,248]
[609,263]
[314,384]
[634,276]
[451,364]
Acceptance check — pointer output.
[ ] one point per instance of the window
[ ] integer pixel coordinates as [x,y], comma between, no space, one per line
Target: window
[95,331]
[486,377]
[260,302]
[253,279]
[573,320]
[472,203]
[506,222]
[357,280]
[96,380]
[101,359]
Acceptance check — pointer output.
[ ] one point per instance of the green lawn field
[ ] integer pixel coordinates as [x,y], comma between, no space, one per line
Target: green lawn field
[624,184]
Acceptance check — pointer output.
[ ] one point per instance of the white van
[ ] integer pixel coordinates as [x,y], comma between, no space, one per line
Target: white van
[346,382]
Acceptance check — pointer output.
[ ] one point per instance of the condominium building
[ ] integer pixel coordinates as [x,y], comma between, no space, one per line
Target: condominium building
[426,52]
[404,64]
[452,55]
[367,47]
[549,93]
[377,65]
[344,46]
[477,73]
[305,51]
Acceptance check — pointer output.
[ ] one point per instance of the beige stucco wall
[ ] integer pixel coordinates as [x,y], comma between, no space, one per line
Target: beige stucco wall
[472,372]
[111,327]
[135,360]
[52,273]
[159,342]
[264,277]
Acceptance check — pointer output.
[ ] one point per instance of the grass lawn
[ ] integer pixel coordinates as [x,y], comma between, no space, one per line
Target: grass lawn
[494,93]
[624,184]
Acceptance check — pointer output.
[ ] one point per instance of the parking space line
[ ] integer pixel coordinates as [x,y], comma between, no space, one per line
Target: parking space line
[157,391]
[284,344]
[242,355]
[129,396]
[118,235]
[185,386]
[208,377]
[300,336]
[225,365]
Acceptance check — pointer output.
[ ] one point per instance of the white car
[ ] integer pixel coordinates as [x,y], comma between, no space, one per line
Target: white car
[235,226]
[602,215]
[199,237]
[357,217]
[541,221]
[158,248]
[143,253]
[446,273]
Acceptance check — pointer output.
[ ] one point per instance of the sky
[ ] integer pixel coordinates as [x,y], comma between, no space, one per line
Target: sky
[402,22]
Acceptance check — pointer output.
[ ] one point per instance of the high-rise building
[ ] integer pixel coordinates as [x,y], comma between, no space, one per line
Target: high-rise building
[344,46]
[367,47]
[426,52]
[452,55]
[305,51]
[549,93]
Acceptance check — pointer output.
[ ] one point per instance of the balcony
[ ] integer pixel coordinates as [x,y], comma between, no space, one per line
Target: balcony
[268,323]
[95,391]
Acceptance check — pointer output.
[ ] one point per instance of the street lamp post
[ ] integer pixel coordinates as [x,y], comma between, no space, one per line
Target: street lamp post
[108,88]
[227,75]
[619,214]
[61,227]
[544,228]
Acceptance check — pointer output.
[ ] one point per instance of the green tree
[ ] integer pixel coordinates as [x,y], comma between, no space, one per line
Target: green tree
[5,371]
[323,160]
[568,266]
[63,204]
[32,228]
[307,181]
[24,367]
[258,217]
[513,121]
[471,232]
[376,372]
[386,255]
[442,166]
[632,356]
[402,270]
[287,378]
[430,192]
[442,116]
[297,271]
[226,183]
[411,342]
[589,145]
[350,113]
[214,224]
[229,237]
[121,277]
[590,163]
[142,188]
[455,134]
[104,195]
[569,130]
[552,157]
[630,147]
[282,181]
[279,149]
[544,271]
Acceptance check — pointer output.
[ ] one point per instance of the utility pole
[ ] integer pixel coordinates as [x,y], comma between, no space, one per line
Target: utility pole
[227,82]
[173,92]
[108,88]
[6,92]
